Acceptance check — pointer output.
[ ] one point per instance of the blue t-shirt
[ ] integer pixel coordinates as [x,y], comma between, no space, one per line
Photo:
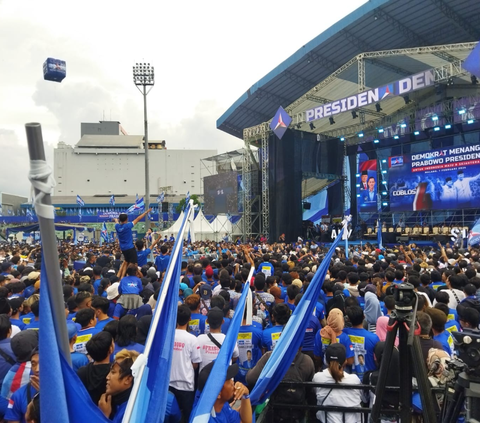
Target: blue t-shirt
[17,406]
[363,343]
[83,336]
[26,318]
[196,325]
[249,341]
[78,360]
[161,262]
[271,336]
[452,326]
[130,285]
[266,268]
[452,315]
[4,365]
[132,347]
[96,284]
[34,324]
[226,415]
[142,256]
[101,324]
[321,345]
[312,328]
[18,322]
[124,234]
[446,340]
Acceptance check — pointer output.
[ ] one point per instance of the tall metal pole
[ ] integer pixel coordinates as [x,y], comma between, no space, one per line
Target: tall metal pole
[147,171]
[36,151]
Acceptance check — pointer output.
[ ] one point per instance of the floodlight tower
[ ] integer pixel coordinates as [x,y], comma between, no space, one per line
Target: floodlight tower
[144,79]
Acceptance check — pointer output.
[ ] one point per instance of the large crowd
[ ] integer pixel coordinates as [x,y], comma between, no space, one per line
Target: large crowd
[110,297]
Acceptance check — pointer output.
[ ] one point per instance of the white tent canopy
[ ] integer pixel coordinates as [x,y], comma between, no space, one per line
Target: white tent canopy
[203,229]
[175,227]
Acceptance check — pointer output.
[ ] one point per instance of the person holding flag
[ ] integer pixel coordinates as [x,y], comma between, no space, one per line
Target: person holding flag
[124,234]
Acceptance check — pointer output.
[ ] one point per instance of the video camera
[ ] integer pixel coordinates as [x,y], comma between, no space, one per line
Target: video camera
[405,297]
[468,347]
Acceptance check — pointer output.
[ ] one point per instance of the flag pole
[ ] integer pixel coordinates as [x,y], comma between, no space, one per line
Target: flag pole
[42,181]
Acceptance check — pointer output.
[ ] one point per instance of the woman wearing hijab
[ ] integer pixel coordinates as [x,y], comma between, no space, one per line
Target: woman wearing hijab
[332,333]
[335,356]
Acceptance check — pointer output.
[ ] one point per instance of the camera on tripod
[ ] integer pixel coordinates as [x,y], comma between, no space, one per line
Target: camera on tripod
[468,347]
[405,297]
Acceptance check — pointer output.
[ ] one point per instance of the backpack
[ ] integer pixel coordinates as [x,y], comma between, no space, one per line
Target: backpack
[288,394]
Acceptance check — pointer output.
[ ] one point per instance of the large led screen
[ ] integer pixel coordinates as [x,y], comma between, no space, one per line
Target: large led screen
[448,178]
[221,193]
[367,186]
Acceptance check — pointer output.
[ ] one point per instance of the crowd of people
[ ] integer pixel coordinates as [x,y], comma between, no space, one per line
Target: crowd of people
[110,300]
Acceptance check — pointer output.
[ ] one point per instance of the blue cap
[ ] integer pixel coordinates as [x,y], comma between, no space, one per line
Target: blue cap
[72,330]
[183,286]
[380,257]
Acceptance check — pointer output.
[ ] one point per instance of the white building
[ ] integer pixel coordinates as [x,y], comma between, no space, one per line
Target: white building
[115,164]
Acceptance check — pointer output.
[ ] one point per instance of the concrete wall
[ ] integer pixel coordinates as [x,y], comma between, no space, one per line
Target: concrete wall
[97,171]
[11,202]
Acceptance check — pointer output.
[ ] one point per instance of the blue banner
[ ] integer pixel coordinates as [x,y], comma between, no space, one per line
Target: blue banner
[448,178]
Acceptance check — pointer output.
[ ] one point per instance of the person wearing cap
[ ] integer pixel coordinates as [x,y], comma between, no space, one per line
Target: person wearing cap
[211,342]
[230,393]
[363,180]
[185,359]
[112,297]
[18,403]
[469,317]
[78,359]
[335,357]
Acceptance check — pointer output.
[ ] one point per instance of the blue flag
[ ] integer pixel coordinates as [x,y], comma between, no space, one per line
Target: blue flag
[64,397]
[472,62]
[138,207]
[80,214]
[201,413]
[187,200]
[161,197]
[104,232]
[80,202]
[379,235]
[292,336]
[148,400]
[112,200]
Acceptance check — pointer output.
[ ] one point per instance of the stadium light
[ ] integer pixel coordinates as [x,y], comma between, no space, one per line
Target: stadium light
[330,119]
[403,125]
[384,203]
[378,107]
[396,137]
[448,126]
[469,121]
[358,195]
[342,138]
[434,118]
[360,135]
[384,171]
[416,133]
[384,182]
[376,141]
[436,129]
[358,175]
[380,130]
[384,193]
[384,161]
[144,80]
[462,111]
[357,185]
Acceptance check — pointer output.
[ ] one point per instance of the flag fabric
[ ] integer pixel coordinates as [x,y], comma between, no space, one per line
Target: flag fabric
[29,215]
[292,336]
[112,200]
[136,198]
[80,214]
[472,62]
[202,411]
[64,397]
[161,197]
[148,400]
[80,202]
[379,235]
[139,206]
[104,232]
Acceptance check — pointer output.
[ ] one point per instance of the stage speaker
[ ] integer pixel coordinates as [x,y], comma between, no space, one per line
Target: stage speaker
[307,205]
[403,238]
[165,207]
[441,238]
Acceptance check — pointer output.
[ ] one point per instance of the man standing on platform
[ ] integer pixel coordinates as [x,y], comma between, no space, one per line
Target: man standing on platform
[125,238]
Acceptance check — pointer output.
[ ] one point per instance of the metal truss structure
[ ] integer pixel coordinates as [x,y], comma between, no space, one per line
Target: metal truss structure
[260,133]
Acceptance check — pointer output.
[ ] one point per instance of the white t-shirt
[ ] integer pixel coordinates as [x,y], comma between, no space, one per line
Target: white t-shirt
[209,351]
[338,397]
[185,352]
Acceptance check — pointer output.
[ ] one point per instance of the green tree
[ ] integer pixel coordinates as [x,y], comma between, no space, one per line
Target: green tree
[181,204]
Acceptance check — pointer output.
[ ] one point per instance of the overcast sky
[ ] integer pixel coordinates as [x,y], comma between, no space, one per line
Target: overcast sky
[206,54]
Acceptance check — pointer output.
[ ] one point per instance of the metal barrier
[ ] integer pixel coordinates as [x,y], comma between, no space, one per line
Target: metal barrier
[273,412]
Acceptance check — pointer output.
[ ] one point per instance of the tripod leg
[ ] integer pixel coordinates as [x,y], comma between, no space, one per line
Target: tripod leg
[456,404]
[429,415]
[384,369]
[405,376]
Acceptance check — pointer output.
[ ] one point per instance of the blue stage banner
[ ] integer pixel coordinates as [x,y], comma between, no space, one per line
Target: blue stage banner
[448,178]
[367,186]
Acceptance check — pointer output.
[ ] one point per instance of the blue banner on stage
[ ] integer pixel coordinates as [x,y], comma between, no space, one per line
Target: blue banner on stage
[447,178]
